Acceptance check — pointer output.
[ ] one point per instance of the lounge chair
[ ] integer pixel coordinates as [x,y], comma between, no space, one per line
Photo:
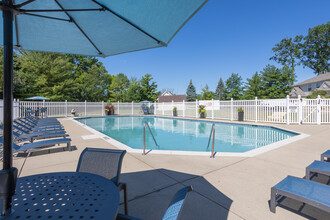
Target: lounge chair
[306,191]
[37,128]
[317,167]
[326,156]
[39,144]
[29,132]
[106,163]
[173,211]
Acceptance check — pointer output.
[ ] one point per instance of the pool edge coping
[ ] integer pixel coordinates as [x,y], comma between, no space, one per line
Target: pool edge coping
[250,153]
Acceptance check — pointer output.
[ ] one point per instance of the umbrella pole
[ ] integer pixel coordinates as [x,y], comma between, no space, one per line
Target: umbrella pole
[8,174]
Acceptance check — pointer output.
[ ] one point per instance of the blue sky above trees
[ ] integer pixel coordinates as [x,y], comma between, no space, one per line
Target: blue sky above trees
[225,37]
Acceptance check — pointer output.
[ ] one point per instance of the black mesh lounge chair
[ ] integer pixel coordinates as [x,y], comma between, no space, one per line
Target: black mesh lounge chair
[173,211]
[106,163]
[309,192]
[37,145]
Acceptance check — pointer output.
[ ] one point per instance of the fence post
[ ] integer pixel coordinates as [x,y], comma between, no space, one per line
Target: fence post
[318,108]
[163,109]
[299,110]
[172,106]
[118,108]
[132,107]
[287,110]
[231,109]
[183,108]
[256,100]
[155,109]
[212,108]
[102,109]
[66,108]
[85,108]
[196,110]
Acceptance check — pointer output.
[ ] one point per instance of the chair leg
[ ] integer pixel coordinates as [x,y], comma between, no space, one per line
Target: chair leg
[125,199]
[273,201]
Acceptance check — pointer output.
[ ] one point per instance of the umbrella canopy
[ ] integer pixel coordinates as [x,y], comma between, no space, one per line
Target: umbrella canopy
[145,101]
[37,98]
[86,27]
[99,27]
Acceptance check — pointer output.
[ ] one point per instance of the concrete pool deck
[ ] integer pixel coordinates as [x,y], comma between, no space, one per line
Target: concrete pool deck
[224,187]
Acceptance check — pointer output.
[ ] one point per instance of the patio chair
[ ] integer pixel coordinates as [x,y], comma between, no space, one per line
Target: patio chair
[317,167]
[37,128]
[39,144]
[106,163]
[173,211]
[325,156]
[309,192]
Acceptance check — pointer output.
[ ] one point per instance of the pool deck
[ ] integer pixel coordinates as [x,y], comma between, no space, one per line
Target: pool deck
[224,187]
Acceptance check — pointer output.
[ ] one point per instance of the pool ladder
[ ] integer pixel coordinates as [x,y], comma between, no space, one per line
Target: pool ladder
[212,134]
[146,124]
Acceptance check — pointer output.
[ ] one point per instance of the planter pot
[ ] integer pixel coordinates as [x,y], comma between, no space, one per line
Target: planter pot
[202,115]
[175,113]
[112,111]
[240,116]
[107,112]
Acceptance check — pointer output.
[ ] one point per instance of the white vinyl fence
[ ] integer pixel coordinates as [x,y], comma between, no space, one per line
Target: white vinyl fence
[289,110]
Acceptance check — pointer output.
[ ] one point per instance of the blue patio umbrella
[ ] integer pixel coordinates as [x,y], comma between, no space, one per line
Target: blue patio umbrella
[146,101]
[86,27]
[37,98]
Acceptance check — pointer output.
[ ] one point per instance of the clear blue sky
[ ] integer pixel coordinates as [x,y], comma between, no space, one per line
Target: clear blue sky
[224,37]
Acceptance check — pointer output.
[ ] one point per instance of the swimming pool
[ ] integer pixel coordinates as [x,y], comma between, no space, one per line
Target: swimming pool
[174,134]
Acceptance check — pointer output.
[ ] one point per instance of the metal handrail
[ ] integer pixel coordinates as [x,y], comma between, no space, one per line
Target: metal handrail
[213,138]
[144,137]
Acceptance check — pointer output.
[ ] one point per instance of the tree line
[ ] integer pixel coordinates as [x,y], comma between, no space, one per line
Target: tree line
[312,51]
[73,78]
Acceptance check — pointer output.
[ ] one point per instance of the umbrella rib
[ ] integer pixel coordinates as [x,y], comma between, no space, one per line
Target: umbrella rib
[24,3]
[100,53]
[43,16]
[16,30]
[130,23]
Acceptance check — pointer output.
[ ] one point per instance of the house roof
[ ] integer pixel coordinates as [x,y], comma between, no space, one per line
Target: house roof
[297,90]
[318,78]
[174,98]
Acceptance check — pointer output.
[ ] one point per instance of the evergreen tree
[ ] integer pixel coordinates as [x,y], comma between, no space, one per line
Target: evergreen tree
[234,87]
[148,89]
[276,82]
[206,94]
[219,92]
[191,92]
[253,87]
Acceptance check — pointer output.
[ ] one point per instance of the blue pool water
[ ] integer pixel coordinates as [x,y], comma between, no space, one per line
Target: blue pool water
[186,135]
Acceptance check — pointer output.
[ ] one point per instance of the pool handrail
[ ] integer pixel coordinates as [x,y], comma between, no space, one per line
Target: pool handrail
[144,137]
[213,137]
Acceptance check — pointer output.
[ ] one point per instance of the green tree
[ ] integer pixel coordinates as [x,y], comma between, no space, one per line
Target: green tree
[234,87]
[118,88]
[316,93]
[276,83]
[191,92]
[133,92]
[288,53]
[253,87]
[148,90]
[219,92]
[206,93]
[316,49]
